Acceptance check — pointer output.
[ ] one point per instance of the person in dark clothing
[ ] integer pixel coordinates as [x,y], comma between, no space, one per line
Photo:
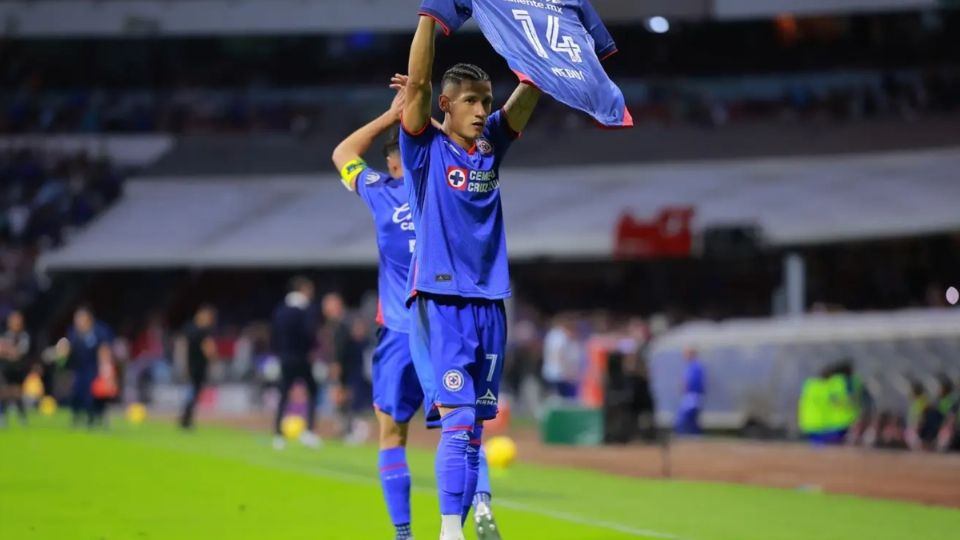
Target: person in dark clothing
[347,355]
[201,350]
[86,345]
[14,365]
[293,336]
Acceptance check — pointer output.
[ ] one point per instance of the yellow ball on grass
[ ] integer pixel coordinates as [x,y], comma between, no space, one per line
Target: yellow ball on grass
[136,413]
[292,426]
[501,452]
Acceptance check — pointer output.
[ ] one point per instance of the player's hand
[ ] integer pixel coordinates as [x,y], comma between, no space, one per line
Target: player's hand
[399,83]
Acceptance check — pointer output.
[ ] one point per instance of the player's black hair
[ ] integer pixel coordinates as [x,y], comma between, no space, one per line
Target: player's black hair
[463,72]
[300,282]
[393,142]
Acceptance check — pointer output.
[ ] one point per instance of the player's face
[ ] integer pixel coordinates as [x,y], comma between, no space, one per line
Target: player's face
[468,104]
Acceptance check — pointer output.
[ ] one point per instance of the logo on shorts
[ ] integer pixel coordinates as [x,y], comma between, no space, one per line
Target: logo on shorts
[484,146]
[488,399]
[457,178]
[453,380]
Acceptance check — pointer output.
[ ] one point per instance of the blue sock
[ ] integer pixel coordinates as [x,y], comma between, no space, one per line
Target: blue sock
[473,471]
[451,459]
[395,479]
[484,493]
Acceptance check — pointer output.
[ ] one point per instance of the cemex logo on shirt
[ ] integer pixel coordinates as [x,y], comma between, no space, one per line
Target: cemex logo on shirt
[462,179]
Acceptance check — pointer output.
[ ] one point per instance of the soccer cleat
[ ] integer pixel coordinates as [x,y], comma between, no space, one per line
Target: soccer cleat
[486,526]
[310,440]
[279,443]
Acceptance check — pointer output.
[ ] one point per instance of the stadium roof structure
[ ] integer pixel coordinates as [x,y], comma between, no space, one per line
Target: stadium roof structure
[563,212]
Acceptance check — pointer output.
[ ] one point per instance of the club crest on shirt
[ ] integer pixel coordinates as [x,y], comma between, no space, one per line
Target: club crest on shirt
[457,178]
[484,147]
[453,380]
[371,177]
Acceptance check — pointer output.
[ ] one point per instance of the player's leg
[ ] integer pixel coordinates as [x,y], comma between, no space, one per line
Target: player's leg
[396,397]
[395,473]
[493,324]
[443,344]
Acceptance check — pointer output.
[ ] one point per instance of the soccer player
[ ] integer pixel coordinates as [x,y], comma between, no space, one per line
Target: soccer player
[460,276]
[396,390]
[87,345]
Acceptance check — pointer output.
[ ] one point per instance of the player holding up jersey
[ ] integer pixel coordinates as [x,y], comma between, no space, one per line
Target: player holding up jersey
[396,390]
[460,276]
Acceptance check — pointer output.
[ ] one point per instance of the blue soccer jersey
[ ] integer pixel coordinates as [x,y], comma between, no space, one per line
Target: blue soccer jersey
[556,45]
[386,197]
[454,193]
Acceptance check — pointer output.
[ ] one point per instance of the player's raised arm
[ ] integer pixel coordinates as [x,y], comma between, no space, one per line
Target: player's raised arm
[348,155]
[419,94]
[520,106]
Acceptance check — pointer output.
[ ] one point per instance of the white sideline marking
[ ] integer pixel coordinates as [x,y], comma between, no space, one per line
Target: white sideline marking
[358,479]
[513,505]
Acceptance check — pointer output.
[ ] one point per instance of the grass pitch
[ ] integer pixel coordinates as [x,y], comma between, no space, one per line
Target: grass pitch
[154,482]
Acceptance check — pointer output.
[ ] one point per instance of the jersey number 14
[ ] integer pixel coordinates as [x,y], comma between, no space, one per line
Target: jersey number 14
[566,45]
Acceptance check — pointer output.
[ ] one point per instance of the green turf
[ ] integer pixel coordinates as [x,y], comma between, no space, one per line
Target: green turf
[152,482]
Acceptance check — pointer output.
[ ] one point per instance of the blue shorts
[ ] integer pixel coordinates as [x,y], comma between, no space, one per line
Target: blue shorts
[457,346]
[396,388]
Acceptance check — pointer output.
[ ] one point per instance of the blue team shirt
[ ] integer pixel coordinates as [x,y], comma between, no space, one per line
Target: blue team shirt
[386,198]
[84,347]
[455,197]
[555,44]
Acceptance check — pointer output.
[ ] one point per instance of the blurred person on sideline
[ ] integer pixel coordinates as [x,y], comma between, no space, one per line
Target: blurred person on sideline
[14,365]
[86,343]
[562,358]
[104,388]
[923,419]
[293,336]
[947,406]
[347,365]
[693,389]
[201,350]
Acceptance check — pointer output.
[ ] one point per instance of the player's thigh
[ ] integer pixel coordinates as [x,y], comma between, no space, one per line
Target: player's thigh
[492,325]
[396,387]
[444,349]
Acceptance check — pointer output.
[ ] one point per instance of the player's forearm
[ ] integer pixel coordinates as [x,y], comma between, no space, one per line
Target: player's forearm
[520,106]
[358,142]
[416,112]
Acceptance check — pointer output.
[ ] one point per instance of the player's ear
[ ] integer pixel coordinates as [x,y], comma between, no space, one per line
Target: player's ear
[444,103]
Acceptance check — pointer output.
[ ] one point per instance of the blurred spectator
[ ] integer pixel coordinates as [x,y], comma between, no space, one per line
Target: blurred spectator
[87,343]
[14,365]
[294,325]
[201,351]
[347,365]
[694,388]
[562,358]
